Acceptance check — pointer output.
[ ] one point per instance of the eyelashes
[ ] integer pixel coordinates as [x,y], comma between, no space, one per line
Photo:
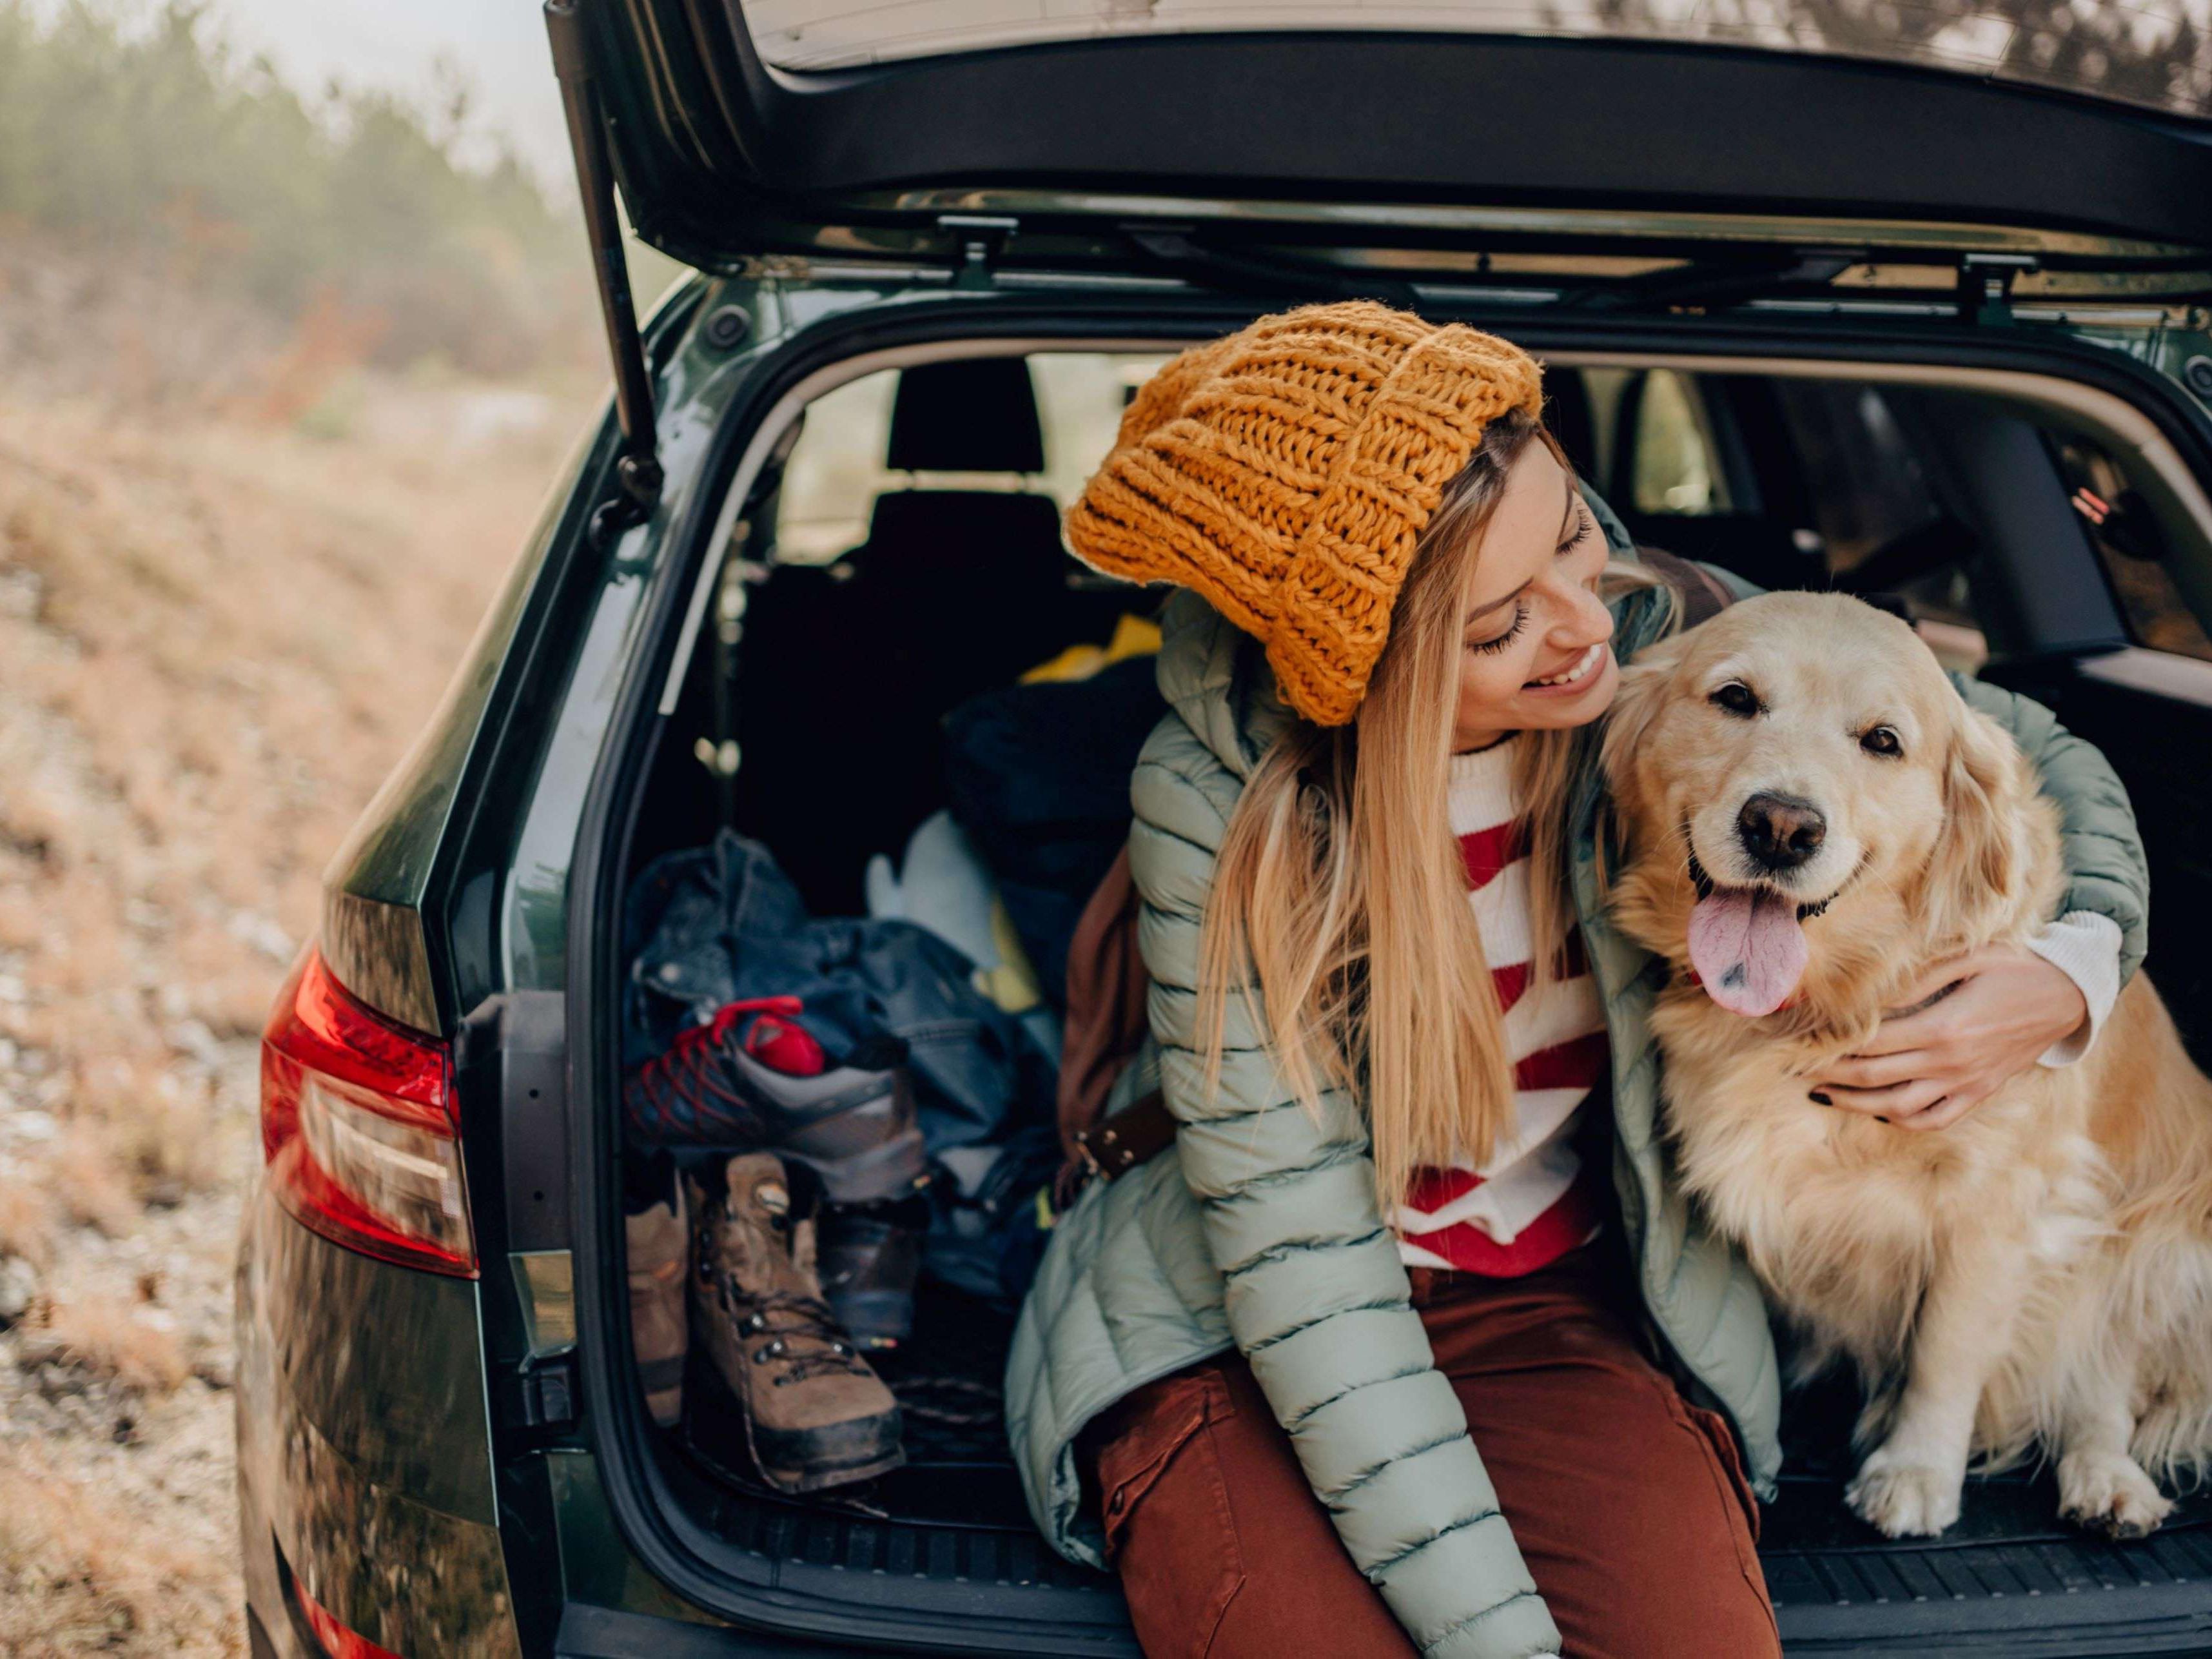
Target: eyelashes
[1583,525]
[1520,621]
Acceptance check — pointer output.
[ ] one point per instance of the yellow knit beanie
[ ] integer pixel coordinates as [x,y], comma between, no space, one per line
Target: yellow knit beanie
[1285,472]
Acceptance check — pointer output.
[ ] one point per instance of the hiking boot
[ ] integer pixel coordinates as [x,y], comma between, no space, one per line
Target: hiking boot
[659,1246]
[815,1415]
[752,1077]
[869,1256]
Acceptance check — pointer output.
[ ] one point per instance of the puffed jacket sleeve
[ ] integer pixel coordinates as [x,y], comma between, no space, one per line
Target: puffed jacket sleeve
[1317,1297]
[2106,871]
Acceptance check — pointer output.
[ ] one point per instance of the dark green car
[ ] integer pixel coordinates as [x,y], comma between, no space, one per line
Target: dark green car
[1898,304]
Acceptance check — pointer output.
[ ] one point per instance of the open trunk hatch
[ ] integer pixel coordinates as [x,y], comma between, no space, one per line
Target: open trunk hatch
[1095,135]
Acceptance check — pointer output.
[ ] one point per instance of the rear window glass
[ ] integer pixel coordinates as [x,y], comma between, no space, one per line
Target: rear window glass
[839,466]
[1676,468]
[2155,53]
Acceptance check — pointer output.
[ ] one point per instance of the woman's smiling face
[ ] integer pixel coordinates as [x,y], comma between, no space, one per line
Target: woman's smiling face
[1534,647]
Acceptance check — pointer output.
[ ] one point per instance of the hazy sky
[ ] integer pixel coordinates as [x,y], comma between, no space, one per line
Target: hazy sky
[501,44]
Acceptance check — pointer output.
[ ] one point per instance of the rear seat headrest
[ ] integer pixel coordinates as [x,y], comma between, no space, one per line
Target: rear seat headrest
[967,536]
[973,415]
[1567,412]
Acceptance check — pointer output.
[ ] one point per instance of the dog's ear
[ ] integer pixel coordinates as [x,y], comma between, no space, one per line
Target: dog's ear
[1980,859]
[1628,723]
[1636,706]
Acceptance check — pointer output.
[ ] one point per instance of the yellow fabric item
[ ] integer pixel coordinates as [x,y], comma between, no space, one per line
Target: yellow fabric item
[1133,636]
[1285,473]
[1012,985]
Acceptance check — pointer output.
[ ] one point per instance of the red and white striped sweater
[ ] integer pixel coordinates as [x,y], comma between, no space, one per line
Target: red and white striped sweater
[1532,1201]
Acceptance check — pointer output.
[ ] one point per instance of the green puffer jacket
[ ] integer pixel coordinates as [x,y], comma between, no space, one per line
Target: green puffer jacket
[1261,1228]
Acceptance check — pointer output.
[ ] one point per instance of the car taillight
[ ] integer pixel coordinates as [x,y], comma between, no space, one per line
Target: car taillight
[358,1128]
[337,1640]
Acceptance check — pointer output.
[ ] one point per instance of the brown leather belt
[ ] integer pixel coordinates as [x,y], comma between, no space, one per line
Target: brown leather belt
[1118,1142]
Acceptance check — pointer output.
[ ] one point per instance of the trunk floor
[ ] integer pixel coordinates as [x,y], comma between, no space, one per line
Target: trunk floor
[947,1379]
[957,1504]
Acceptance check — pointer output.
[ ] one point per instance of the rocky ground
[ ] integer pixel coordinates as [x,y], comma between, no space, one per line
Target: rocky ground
[217,631]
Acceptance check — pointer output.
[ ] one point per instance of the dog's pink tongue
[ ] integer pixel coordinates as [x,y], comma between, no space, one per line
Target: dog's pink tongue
[1747,949]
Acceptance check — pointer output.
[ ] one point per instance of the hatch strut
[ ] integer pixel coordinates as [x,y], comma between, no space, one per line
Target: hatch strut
[639,467]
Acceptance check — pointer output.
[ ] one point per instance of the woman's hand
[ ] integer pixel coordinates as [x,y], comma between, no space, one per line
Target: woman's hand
[1928,1069]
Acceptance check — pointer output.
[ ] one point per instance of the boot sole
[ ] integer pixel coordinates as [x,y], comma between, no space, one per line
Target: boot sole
[833,1455]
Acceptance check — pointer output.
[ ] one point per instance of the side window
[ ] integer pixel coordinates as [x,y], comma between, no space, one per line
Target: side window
[1676,468]
[2134,549]
[1880,526]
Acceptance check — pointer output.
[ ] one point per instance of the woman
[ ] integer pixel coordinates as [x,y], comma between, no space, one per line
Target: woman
[1535,1403]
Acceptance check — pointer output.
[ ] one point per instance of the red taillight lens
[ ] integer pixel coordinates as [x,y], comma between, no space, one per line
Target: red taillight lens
[358,1128]
[338,1641]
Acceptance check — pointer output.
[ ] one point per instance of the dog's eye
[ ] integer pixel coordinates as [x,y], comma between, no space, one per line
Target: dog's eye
[1737,699]
[1881,740]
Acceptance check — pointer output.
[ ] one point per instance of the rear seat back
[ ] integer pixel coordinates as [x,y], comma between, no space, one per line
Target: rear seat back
[847,671]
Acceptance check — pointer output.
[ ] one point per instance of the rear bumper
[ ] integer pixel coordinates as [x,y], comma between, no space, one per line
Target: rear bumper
[364,1451]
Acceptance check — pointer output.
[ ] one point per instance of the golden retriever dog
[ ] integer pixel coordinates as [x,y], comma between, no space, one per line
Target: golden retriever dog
[1812,819]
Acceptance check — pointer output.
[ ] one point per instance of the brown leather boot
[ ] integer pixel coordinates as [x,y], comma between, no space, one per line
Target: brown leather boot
[816,1416]
[659,1244]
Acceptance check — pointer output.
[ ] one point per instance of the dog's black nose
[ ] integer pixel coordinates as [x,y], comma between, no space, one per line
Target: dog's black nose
[1780,832]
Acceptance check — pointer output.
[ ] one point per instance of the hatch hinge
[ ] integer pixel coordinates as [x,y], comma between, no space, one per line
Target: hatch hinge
[637,470]
[983,239]
[1985,282]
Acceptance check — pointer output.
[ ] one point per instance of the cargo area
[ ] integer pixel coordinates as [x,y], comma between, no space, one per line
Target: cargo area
[903,691]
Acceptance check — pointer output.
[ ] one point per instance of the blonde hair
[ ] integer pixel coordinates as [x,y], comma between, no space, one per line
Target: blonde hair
[1339,907]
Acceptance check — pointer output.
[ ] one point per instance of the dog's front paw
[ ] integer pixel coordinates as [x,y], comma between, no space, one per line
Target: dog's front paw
[2108,1492]
[1905,1500]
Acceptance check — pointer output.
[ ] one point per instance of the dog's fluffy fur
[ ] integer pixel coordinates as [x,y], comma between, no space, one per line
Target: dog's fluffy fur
[2036,1277]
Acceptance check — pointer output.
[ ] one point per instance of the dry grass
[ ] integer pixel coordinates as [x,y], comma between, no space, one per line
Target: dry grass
[80,1572]
[90,1183]
[215,638]
[110,1340]
[28,1221]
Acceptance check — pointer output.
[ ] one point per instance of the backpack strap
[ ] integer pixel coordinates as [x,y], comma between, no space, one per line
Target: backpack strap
[1105,1005]
[1701,594]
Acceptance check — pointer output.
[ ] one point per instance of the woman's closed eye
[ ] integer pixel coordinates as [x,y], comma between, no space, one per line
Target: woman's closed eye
[1499,642]
[1583,525]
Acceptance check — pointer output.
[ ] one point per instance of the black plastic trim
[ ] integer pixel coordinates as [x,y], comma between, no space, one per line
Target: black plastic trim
[510,1061]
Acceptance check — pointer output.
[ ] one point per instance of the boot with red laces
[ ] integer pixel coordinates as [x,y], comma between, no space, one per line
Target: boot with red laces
[753,1077]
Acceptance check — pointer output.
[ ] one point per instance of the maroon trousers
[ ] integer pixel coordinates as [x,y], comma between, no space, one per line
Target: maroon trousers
[1630,1506]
